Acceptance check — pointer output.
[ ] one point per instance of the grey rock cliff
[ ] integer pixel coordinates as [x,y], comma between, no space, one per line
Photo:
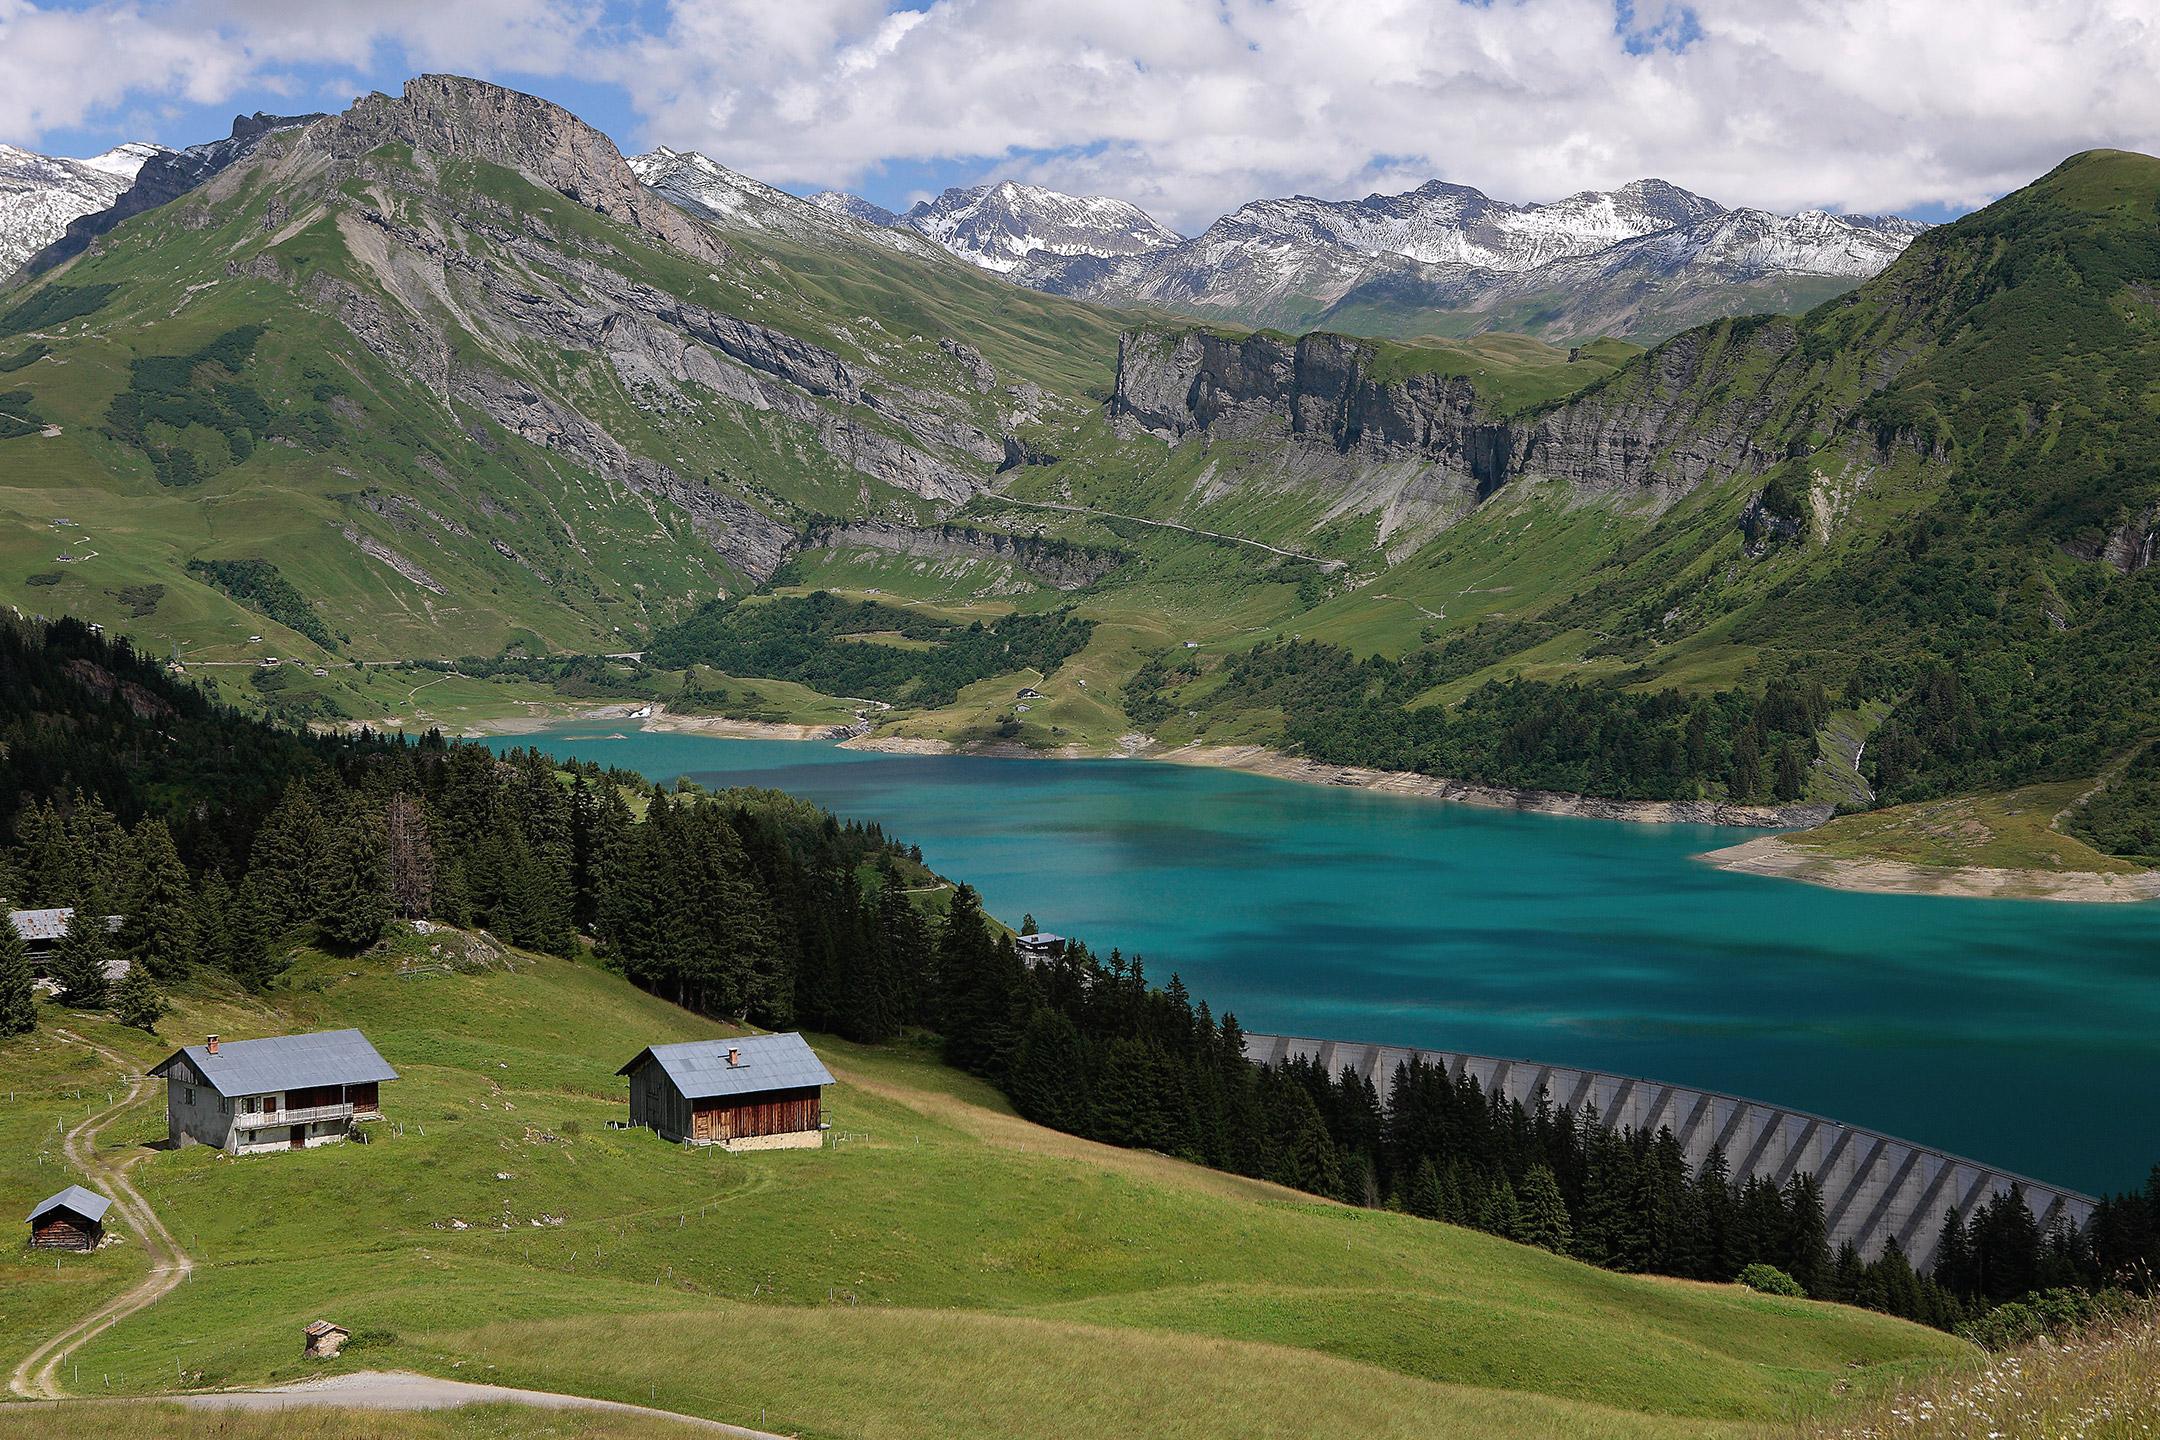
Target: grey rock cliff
[449,115]
[1656,429]
[1062,566]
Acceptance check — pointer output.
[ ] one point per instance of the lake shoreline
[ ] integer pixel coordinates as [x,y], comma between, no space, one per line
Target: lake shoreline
[1779,858]
[1768,856]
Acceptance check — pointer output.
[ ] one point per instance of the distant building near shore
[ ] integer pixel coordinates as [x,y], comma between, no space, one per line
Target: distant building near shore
[758,1092]
[1035,949]
[286,1092]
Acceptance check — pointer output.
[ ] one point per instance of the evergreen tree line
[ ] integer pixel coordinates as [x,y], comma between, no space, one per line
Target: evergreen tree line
[221,840]
[1594,739]
[1089,1046]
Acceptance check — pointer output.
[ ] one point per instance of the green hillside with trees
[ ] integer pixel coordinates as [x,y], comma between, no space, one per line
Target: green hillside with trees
[1177,1208]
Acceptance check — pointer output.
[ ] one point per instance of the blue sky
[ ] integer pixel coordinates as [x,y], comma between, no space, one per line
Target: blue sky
[1185,107]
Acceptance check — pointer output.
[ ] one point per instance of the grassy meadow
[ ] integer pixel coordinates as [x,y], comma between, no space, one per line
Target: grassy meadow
[942,1268]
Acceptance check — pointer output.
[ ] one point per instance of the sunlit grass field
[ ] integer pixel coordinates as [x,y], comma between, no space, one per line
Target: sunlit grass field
[943,1268]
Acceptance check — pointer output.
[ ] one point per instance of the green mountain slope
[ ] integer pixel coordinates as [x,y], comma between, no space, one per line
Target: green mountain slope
[1934,499]
[448,368]
[437,378]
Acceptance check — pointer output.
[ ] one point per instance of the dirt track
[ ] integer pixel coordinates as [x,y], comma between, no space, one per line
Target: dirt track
[38,1376]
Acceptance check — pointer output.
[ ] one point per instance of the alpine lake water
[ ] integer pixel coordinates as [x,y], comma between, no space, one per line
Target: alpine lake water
[2025,1034]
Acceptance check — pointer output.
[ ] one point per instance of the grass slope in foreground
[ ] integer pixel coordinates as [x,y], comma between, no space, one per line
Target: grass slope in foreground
[946,1269]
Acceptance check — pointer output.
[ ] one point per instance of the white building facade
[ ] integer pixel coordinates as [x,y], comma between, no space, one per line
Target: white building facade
[286,1092]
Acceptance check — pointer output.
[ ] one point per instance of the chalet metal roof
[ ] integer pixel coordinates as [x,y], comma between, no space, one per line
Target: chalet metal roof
[86,1203]
[33,925]
[701,1071]
[285,1062]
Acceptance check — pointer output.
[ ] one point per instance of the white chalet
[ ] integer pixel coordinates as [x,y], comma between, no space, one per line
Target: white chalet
[286,1092]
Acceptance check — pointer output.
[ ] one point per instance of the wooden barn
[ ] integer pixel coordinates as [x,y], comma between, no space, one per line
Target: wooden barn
[74,1219]
[759,1092]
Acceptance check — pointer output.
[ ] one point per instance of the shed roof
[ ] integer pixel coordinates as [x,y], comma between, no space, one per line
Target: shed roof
[325,1327]
[86,1203]
[700,1069]
[33,925]
[285,1062]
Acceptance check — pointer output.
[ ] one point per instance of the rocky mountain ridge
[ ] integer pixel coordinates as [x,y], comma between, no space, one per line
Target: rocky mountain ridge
[1016,229]
[41,194]
[162,178]
[1645,434]
[708,189]
[1643,260]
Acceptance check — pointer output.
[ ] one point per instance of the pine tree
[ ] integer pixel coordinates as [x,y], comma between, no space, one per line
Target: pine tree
[82,960]
[1807,1244]
[18,1001]
[1746,777]
[1791,773]
[1423,1197]
[249,921]
[213,914]
[160,930]
[137,1001]
[1049,1072]
[352,891]
[1501,1215]
[285,860]
[1543,1220]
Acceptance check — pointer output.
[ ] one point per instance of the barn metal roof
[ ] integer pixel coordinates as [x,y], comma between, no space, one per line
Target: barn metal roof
[34,925]
[701,1071]
[285,1062]
[86,1203]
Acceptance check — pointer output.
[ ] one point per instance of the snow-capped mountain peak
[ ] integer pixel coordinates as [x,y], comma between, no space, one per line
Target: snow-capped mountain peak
[122,161]
[998,227]
[708,189]
[40,194]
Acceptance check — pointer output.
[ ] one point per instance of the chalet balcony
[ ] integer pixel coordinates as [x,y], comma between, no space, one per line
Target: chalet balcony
[302,1115]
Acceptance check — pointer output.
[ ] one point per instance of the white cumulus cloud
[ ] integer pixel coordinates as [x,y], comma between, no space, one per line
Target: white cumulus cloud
[1190,107]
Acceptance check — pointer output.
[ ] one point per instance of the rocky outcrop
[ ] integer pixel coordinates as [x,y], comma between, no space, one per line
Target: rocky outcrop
[1661,427]
[375,550]
[745,536]
[1765,527]
[2130,547]
[1061,566]
[163,178]
[1320,387]
[452,116]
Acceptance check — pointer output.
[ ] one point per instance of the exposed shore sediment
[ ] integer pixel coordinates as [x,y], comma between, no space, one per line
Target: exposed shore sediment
[1775,856]
[1783,859]
[1260,760]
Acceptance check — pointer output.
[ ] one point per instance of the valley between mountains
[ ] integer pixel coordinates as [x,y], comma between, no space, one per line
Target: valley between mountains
[459,417]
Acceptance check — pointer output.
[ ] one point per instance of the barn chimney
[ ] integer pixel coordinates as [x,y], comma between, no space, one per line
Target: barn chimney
[734,1057]
[212,1046]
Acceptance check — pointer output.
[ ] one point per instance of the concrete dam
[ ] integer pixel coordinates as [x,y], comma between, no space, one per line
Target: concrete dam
[1875,1187]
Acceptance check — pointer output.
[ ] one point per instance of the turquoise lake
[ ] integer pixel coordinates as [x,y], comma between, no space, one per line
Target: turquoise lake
[2025,1034]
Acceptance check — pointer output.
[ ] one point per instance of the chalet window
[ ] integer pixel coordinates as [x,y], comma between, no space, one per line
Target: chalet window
[191,1094]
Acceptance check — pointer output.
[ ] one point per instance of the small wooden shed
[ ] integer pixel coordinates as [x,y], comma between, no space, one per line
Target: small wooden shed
[74,1219]
[322,1340]
[759,1092]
